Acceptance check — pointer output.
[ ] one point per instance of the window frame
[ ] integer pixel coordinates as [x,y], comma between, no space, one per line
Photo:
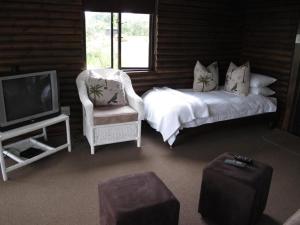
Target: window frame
[119,46]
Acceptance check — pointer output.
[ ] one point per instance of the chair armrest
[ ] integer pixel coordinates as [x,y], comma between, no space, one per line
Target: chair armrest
[136,103]
[86,102]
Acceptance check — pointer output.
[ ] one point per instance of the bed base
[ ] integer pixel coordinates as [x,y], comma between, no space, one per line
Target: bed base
[271,119]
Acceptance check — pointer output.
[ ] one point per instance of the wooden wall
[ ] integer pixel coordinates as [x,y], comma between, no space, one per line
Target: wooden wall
[39,35]
[268,41]
[188,31]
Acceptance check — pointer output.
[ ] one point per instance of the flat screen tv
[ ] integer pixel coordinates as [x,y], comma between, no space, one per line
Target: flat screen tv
[27,98]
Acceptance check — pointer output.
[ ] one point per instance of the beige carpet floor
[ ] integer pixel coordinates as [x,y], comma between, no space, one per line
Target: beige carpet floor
[62,189]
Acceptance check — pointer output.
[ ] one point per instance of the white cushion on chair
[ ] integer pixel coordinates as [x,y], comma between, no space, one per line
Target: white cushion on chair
[105,88]
[114,114]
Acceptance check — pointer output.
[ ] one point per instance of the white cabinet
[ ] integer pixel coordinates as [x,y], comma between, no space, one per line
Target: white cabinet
[13,149]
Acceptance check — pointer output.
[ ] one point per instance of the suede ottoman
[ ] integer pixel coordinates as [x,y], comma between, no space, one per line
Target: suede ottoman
[234,196]
[139,199]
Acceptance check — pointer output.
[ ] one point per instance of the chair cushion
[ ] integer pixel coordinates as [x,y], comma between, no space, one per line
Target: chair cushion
[114,114]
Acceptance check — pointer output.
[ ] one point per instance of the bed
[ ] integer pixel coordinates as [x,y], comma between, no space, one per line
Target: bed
[168,110]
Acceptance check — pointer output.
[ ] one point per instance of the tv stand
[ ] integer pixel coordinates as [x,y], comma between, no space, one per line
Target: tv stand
[12,150]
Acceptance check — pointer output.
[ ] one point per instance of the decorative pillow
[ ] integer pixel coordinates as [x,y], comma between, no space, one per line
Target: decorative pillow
[265,91]
[105,89]
[206,79]
[238,79]
[214,69]
[259,80]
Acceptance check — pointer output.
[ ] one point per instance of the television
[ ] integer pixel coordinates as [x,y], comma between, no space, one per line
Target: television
[27,98]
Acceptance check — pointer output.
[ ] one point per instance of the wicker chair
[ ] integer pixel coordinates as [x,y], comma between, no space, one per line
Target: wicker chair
[111,124]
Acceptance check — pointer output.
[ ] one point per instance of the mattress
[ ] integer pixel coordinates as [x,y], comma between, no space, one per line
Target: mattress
[224,106]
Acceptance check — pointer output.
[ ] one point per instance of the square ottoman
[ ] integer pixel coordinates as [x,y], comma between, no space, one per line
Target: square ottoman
[139,199]
[234,196]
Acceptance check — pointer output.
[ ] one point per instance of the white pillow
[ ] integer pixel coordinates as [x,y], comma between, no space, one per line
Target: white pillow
[214,69]
[265,91]
[205,79]
[259,80]
[238,79]
[105,88]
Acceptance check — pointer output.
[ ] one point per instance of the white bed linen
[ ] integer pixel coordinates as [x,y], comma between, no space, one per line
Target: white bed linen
[222,106]
[167,109]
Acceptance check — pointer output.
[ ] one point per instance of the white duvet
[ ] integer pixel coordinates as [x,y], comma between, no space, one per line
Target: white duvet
[168,110]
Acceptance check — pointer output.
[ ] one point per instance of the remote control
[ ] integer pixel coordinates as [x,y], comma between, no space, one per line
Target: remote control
[235,163]
[243,159]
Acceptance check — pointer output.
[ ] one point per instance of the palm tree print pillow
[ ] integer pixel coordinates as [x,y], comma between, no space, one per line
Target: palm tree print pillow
[238,79]
[105,90]
[206,79]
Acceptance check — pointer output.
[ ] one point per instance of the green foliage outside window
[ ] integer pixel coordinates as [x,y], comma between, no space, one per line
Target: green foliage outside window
[98,36]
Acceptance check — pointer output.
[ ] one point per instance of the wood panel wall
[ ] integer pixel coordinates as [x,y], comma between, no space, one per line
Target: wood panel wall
[188,31]
[293,101]
[39,35]
[268,42]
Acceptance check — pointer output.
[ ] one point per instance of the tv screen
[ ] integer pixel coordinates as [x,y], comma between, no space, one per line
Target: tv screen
[28,97]
[34,96]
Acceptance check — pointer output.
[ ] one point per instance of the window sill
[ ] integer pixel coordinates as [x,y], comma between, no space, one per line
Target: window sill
[138,71]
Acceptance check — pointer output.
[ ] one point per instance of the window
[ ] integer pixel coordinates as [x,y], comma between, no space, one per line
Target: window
[118,40]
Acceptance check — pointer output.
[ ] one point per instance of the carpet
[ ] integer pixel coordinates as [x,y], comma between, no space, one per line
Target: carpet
[62,189]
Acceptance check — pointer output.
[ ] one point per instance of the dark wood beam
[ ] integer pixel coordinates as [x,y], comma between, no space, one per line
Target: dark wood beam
[293,87]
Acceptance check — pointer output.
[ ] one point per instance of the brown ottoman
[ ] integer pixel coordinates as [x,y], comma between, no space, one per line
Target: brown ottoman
[140,199]
[234,196]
